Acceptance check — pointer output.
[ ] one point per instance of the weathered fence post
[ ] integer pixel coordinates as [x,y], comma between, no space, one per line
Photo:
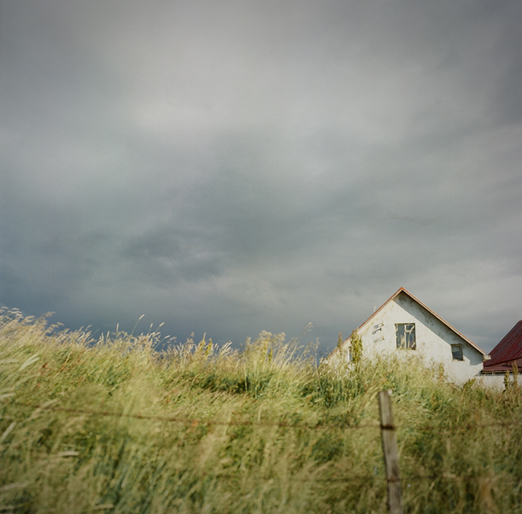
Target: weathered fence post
[391,455]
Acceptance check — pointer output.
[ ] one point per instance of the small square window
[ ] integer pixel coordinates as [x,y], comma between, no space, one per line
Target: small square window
[456,352]
[405,336]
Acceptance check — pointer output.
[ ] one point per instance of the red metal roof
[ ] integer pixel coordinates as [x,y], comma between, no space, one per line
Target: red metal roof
[509,349]
[502,367]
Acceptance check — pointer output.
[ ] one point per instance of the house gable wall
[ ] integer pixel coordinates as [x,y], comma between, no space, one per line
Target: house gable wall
[433,338]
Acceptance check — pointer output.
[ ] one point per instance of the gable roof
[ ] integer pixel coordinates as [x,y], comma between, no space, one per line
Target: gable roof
[509,349]
[444,322]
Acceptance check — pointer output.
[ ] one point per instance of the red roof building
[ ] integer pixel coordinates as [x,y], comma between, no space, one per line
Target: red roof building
[507,352]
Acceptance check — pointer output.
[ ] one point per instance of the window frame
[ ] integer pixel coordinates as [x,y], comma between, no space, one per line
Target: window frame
[457,345]
[409,345]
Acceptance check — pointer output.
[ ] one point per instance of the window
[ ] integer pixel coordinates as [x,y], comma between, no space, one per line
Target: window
[405,336]
[456,352]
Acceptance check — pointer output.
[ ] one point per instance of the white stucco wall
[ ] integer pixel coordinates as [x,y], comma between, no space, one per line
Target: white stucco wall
[433,338]
[496,381]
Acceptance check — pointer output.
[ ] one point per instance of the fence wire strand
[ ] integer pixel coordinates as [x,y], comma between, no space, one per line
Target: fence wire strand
[194,421]
[197,421]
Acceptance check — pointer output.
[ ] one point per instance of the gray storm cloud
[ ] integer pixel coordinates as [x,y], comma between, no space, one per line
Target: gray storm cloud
[238,166]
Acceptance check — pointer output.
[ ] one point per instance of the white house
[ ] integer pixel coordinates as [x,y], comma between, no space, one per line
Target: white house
[404,324]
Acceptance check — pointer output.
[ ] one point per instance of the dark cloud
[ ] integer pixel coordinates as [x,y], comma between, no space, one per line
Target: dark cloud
[232,167]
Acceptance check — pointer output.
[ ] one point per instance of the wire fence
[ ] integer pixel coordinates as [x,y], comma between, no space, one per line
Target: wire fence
[384,427]
[199,421]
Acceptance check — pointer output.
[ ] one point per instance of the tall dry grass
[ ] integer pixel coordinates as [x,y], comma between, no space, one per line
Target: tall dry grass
[269,430]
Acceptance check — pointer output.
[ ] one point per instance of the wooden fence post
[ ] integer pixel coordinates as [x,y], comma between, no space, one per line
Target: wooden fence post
[391,455]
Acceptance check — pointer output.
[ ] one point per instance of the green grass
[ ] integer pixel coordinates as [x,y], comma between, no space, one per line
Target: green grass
[267,429]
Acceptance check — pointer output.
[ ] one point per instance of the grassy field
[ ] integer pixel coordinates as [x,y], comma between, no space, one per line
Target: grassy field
[264,429]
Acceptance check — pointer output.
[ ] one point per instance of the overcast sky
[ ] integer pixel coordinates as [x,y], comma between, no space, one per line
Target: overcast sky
[243,165]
